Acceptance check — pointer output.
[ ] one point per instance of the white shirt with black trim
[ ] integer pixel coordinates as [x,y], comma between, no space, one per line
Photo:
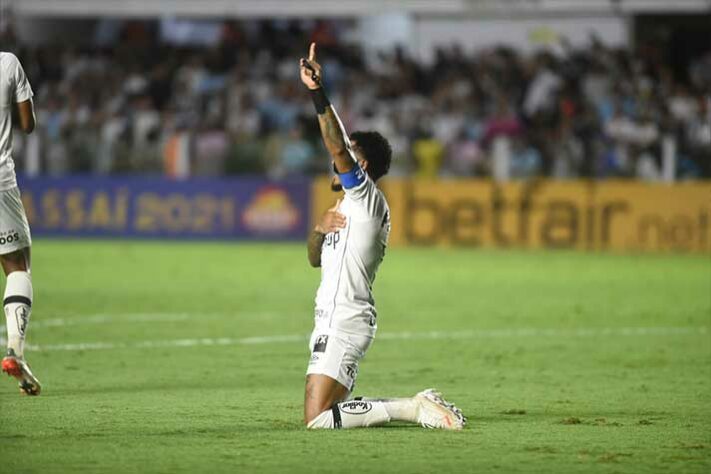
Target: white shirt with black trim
[14,88]
[349,260]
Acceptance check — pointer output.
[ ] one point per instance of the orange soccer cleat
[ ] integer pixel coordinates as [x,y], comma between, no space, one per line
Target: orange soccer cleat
[17,367]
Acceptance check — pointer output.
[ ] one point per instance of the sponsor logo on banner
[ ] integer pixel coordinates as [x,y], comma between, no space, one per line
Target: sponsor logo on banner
[609,215]
[356,407]
[271,211]
[224,208]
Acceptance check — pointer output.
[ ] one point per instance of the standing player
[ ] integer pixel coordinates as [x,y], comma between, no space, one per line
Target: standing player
[349,244]
[15,238]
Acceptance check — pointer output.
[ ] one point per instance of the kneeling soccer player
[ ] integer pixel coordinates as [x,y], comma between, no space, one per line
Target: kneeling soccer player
[349,244]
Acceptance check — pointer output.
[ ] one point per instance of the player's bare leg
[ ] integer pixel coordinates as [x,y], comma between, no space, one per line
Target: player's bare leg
[18,305]
[17,261]
[322,392]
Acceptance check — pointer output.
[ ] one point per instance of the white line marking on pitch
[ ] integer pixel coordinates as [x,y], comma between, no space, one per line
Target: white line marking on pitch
[105,318]
[465,334]
[108,318]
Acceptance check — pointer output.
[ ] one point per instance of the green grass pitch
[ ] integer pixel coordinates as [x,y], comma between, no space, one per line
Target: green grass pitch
[190,357]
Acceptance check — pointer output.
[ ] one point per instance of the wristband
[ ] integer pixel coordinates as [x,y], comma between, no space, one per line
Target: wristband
[320,100]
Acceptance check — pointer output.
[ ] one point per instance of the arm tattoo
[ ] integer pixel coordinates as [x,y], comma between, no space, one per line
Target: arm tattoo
[314,248]
[336,140]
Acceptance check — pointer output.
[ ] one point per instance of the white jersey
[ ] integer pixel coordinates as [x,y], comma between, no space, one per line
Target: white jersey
[350,259]
[14,88]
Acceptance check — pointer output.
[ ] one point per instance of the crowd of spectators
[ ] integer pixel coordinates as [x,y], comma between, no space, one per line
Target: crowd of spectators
[595,112]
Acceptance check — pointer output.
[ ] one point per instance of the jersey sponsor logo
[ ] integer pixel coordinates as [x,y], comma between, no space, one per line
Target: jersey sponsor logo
[320,344]
[9,238]
[356,407]
[271,211]
[332,239]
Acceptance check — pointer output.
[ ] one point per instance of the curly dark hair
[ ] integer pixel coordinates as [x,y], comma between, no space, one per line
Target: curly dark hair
[376,151]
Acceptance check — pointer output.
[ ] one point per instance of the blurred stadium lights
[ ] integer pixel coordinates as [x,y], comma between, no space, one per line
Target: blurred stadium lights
[329,8]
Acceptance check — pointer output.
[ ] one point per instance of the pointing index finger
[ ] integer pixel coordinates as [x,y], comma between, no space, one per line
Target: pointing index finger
[312,52]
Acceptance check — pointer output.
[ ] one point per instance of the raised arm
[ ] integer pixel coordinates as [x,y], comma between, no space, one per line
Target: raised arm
[334,134]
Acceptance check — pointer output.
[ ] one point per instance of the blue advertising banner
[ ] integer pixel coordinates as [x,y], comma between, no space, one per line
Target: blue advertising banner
[147,207]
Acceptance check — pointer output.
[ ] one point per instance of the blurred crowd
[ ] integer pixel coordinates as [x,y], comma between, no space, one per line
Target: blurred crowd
[238,106]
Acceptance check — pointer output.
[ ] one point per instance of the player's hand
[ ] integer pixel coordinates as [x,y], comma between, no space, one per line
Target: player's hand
[332,221]
[310,69]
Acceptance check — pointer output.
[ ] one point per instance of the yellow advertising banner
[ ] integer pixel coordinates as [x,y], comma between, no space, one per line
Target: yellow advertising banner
[623,216]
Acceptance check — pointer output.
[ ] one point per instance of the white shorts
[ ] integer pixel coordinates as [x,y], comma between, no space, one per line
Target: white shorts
[337,354]
[14,229]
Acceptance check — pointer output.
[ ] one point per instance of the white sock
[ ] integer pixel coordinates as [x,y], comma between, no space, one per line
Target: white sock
[399,409]
[402,409]
[18,304]
[352,414]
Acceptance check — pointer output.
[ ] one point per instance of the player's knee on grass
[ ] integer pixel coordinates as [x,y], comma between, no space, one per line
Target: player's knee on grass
[313,411]
[324,420]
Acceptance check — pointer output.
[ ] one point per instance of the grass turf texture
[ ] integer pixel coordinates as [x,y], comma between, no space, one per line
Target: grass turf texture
[600,401]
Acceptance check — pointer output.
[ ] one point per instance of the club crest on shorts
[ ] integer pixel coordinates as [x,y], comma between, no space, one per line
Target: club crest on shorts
[320,344]
[356,407]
